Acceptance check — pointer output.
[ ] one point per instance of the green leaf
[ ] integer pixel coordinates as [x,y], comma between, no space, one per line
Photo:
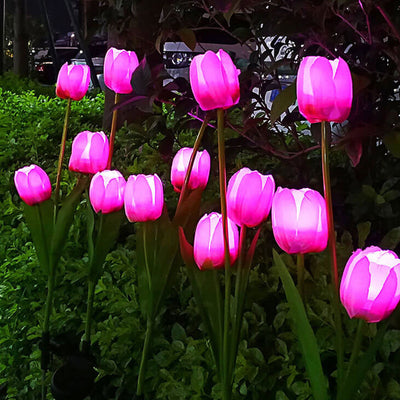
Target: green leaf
[90,230]
[188,37]
[64,220]
[105,240]
[40,220]
[392,142]
[363,228]
[359,369]
[178,332]
[157,248]
[207,292]
[305,334]
[283,101]
[391,239]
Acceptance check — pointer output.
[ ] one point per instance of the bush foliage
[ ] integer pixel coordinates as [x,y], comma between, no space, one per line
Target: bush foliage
[366,205]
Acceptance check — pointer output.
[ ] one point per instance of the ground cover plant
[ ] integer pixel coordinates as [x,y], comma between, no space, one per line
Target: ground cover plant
[181,361]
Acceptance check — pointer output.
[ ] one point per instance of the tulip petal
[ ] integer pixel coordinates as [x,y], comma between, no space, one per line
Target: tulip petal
[343,90]
[355,299]
[62,82]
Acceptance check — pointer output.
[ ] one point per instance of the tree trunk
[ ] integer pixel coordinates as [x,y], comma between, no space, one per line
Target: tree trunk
[21,54]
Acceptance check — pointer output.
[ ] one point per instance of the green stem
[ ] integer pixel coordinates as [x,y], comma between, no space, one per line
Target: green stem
[49,299]
[332,253]
[146,226]
[146,346]
[300,274]
[113,131]
[45,356]
[89,312]
[240,290]
[219,321]
[227,382]
[191,162]
[356,346]
[62,152]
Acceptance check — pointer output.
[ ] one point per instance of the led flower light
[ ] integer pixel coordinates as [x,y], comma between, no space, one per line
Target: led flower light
[299,220]
[89,153]
[214,80]
[370,286]
[73,81]
[119,66]
[209,242]
[249,197]
[33,184]
[200,171]
[106,191]
[144,198]
[324,89]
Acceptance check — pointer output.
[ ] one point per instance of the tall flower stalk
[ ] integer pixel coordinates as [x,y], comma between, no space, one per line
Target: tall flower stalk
[325,143]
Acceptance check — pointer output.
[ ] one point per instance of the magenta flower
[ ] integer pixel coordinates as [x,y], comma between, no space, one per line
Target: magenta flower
[144,198]
[249,197]
[370,286]
[73,81]
[119,66]
[200,171]
[33,185]
[324,89]
[106,191]
[209,242]
[89,152]
[299,220]
[214,80]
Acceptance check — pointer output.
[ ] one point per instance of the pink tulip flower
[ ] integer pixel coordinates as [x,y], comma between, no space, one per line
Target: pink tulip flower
[324,89]
[249,197]
[299,220]
[33,185]
[144,198]
[200,171]
[89,153]
[106,191]
[370,286]
[119,66]
[214,80]
[209,242]
[73,81]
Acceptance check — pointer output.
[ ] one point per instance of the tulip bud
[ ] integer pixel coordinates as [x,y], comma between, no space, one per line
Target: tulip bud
[299,220]
[144,198]
[200,171]
[89,152]
[324,89]
[119,66]
[249,197]
[106,191]
[214,80]
[370,286]
[33,185]
[209,242]
[73,81]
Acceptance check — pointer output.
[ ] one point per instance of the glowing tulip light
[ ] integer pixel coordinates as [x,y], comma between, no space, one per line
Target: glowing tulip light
[200,171]
[144,198]
[214,80]
[299,220]
[370,286]
[89,153]
[119,66]
[249,197]
[324,89]
[33,184]
[73,81]
[106,191]
[209,242]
